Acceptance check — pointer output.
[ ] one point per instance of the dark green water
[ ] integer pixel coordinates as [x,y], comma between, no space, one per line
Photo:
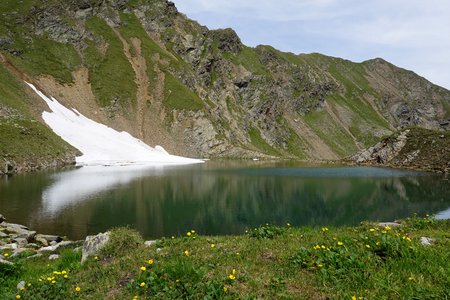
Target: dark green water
[216,197]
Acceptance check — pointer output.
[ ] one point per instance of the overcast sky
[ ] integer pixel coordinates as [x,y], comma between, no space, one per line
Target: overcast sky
[411,34]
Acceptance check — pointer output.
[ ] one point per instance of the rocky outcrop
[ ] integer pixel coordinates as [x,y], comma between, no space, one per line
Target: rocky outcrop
[384,151]
[414,148]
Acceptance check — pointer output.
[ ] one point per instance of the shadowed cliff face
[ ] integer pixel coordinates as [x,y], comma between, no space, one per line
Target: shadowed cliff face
[142,67]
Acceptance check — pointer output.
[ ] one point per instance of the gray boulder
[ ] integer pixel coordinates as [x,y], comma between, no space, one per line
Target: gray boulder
[426,241]
[93,244]
[53,257]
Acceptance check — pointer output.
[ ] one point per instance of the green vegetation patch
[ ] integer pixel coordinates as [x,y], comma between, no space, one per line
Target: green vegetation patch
[178,96]
[268,262]
[257,140]
[248,57]
[331,133]
[23,139]
[45,57]
[111,75]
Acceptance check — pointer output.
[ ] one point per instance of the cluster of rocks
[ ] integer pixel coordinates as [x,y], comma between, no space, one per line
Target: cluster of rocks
[384,151]
[16,238]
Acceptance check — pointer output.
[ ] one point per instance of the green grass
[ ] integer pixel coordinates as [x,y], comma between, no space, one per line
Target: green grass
[257,140]
[22,138]
[331,133]
[296,145]
[111,75]
[45,57]
[267,262]
[248,57]
[178,96]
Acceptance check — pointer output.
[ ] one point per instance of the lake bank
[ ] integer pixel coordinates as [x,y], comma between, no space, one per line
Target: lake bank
[368,261]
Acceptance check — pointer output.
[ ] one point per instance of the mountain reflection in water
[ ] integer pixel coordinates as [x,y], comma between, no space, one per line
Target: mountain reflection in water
[215,198]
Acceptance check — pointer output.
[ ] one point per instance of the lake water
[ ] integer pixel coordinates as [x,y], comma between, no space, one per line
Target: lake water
[216,197]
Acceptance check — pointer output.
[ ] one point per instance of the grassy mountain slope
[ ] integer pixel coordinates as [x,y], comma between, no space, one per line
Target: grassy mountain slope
[140,66]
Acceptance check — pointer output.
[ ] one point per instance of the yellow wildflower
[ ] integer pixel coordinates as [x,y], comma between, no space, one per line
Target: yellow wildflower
[324,229]
[232,277]
[96,258]
[29,284]
[225,289]
[371,230]
[143,268]
[288,224]
[189,233]
[368,246]
[186,252]
[142,284]
[49,279]
[383,231]
[193,231]
[173,237]
[320,265]
[77,289]
[178,280]
[387,228]
[150,261]
[213,245]
[53,281]
[340,243]
[408,239]
[56,273]
[6,254]
[323,247]
[66,276]
[353,297]
[412,278]
[233,272]
[63,272]
[136,297]
[17,296]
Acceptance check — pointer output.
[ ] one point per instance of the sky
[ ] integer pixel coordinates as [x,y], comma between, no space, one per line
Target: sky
[411,34]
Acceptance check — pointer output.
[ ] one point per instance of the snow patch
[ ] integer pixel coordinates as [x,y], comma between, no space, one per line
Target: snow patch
[100,144]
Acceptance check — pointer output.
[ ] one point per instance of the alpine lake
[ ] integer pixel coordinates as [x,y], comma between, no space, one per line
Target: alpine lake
[217,197]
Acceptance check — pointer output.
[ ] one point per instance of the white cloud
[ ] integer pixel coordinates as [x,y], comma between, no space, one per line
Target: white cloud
[410,33]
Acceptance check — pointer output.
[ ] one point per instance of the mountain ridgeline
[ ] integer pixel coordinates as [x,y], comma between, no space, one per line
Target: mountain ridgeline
[143,67]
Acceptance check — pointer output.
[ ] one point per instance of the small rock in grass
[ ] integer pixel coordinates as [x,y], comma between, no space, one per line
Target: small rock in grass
[93,244]
[426,241]
[149,243]
[5,262]
[53,257]
[21,285]
[34,256]
[48,248]
[390,224]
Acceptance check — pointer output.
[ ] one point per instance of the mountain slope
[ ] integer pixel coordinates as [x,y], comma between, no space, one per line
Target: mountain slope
[141,66]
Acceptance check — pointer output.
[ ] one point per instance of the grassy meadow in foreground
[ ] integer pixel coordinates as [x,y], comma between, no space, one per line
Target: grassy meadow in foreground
[268,262]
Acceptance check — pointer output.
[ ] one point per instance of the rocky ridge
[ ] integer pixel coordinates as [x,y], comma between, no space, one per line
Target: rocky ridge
[413,148]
